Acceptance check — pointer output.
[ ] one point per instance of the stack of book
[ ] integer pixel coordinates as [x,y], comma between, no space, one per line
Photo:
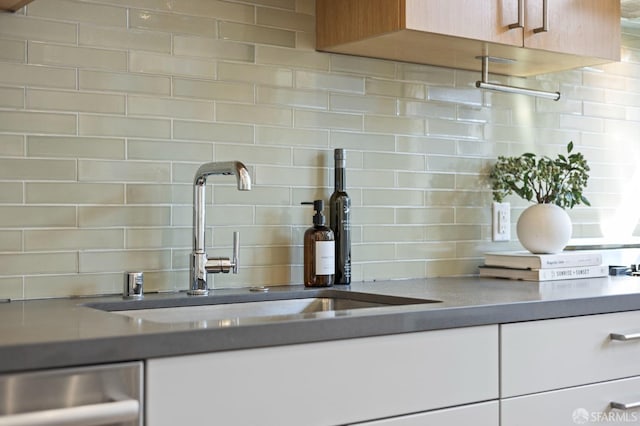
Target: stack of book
[522,265]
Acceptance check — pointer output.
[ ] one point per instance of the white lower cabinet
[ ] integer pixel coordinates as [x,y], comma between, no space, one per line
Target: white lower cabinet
[484,414]
[569,371]
[332,383]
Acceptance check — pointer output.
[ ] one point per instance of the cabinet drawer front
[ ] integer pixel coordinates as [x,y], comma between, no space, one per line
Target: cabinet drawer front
[485,414]
[580,405]
[544,355]
[326,383]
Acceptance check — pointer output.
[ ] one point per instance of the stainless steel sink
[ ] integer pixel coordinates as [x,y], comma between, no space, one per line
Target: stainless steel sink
[251,308]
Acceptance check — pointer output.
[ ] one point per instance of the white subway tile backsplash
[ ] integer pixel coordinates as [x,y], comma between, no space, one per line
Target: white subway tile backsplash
[184,45]
[212,132]
[69,10]
[11,192]
[172,23]
[255,74]
[73,239]
[123,171]
[167,107]
[14,26]
[213,90]
[273,55]
[151,193]
[124,82]
[155,63]
[82,57]
[121,38]
[73,193]
[38,263]
[426,251]
[12,50]
[37,216]
[169,151]
[374,160]
[394,88]
[11,145]
[36,122]
[256,34]
[105,125]
[37,76]
[75,101]
[394,125]
[291,137]
[327,81]
[123,216]
[124,260]
[11,97]
[256,114]
[75,147]
[254,155]
[121,101]
[10,241]
[18,169]
[366,104]
[330,120]
[292,97]
[285,19]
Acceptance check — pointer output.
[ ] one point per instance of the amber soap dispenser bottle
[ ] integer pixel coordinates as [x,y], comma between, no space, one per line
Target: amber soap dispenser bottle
[319,251]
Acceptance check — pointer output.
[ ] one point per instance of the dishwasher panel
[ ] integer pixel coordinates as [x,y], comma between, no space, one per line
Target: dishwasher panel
[98,395]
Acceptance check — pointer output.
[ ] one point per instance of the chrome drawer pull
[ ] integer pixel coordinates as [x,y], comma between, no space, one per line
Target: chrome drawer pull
[624,406]
[625,337]
[85,415]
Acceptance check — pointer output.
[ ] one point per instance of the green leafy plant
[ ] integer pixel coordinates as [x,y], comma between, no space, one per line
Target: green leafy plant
[559,181]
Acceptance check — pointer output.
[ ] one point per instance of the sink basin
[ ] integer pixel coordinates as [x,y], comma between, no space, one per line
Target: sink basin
[251,308]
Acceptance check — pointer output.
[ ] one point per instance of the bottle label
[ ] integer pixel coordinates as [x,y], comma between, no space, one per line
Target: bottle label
[325,258]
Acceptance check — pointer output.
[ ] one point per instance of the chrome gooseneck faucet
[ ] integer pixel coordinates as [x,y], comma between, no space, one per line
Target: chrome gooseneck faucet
[200,263]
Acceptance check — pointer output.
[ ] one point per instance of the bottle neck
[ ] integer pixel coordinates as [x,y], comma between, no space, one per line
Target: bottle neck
[340,176]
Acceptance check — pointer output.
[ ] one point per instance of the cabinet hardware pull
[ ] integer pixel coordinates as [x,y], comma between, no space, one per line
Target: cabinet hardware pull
[545,18]
[625,337]
[520,23]
[624,405]
[95,414]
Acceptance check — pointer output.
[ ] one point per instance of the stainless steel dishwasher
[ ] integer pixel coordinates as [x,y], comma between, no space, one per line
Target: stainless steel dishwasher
[109,394]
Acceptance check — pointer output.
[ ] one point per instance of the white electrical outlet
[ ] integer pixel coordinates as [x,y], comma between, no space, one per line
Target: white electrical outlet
[501,218]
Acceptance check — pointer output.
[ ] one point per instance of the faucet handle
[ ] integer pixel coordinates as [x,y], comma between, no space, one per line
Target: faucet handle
[236,251]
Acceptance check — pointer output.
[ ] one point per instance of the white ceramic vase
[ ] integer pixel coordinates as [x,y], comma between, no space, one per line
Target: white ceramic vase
[544,228]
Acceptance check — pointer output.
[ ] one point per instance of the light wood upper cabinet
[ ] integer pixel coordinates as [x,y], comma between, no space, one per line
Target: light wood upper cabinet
[579,27]
[13,5]
[453,33]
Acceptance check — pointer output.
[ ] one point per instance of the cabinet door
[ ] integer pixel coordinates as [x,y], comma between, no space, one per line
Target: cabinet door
[329,383]
[578,27]
[486,20]
[485,414]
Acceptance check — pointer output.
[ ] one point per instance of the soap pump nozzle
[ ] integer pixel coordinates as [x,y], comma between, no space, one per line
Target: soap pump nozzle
[318,207]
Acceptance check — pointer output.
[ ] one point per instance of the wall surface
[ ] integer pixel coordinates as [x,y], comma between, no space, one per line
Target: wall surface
[107,108]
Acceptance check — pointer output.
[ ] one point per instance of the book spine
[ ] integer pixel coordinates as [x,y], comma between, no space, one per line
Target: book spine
[564,261]
[571,273]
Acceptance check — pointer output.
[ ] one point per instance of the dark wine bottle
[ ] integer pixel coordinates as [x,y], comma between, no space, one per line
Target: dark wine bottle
[340,220]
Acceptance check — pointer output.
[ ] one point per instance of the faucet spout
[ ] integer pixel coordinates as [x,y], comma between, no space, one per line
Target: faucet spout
[224,168]
[200,264]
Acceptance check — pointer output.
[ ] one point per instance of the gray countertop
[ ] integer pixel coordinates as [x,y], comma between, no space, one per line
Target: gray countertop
[51,333]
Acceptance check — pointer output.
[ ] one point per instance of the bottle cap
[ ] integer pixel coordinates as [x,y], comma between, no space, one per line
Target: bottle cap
[318,206]
[339,154]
